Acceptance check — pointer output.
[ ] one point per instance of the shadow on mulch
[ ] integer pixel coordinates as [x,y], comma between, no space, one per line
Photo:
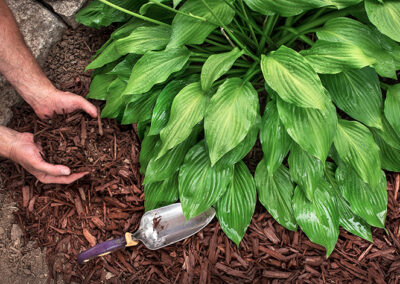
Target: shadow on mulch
[109,201]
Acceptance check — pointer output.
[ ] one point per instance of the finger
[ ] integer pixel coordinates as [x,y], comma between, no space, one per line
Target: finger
[52,170]
[86,106]
[62,179]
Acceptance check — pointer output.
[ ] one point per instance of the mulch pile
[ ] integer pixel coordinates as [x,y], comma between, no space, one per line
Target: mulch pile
[66,219]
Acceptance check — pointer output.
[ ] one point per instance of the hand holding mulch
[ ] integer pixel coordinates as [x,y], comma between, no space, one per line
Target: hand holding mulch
[21,148]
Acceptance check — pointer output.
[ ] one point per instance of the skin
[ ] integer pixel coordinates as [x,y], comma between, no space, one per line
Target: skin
[20,68]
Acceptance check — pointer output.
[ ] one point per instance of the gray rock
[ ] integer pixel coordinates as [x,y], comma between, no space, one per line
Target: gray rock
[40,29]
[67,9]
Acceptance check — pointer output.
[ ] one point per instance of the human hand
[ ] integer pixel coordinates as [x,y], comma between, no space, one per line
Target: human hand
[55,101]
[25,152]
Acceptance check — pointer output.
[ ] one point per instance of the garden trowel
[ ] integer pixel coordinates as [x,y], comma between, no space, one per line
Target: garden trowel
[158,228]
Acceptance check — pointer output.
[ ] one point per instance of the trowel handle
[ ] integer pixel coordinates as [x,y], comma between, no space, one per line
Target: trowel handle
[107,247]
[101,249]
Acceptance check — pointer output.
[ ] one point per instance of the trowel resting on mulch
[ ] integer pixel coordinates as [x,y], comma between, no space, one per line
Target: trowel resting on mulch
[158,228]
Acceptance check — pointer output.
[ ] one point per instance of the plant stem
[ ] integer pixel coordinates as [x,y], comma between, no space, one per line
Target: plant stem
[251,71]
[134,14]
[230,34]
[295,32]
[250,25]
[217,44]
[266,33]
[177,11]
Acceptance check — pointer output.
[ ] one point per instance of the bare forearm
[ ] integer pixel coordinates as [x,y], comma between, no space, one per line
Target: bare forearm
[17,63]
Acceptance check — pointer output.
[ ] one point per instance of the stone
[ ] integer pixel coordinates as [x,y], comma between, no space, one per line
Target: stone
[40,29]
[16,235]
[67,9]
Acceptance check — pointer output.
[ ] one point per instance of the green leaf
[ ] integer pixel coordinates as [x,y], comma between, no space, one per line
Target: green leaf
[293,79]
[390,156]
[231,113]
[161,193]
[115,100]
[236,207]
[242,149]
[155,67]
[312,129]
[369,202]
[99,86]
[162,108]
[319,219]
[145,7]
[188,30]
[148,149]
[385,16]
[200,185]
[217,65]
[97,14]
[144,39]
[392,107]
[306,170]
[140,107]
[164,167]
[387,133]
[275,191]
[358,93]
[121,32]
[357,149]
[124,69]
[141,40]
[288,8]
[334,57]
[187,110]
[274,139]
[351,31]
[347,219]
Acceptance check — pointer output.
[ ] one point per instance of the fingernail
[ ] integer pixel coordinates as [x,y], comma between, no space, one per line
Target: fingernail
[65,172]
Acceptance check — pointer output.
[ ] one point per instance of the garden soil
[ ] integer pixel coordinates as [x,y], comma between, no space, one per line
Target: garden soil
[66,219]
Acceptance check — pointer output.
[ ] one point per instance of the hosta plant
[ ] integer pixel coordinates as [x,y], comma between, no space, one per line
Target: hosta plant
[314,81]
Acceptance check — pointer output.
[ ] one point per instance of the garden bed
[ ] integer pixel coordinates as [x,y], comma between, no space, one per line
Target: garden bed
[109,201]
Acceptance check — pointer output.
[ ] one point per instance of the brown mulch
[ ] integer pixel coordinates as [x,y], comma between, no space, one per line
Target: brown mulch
[109,201]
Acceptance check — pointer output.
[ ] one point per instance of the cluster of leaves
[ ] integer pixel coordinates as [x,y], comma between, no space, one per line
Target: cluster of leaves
[192,75]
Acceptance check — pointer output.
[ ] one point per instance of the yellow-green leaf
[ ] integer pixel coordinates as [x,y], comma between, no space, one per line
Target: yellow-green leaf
[334,57]
[357,149]
[230,115]
[187,110]
[290,75]
[217,65]
[155,67]
[385,16]
[311,128]
[188,30]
